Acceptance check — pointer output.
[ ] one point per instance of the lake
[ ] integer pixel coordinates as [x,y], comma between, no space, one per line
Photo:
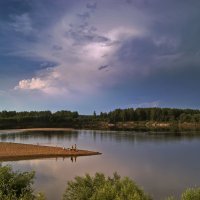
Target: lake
[162,164]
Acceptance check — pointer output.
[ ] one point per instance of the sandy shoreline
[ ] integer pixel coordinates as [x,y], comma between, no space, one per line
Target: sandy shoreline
[35,129]
[18,151]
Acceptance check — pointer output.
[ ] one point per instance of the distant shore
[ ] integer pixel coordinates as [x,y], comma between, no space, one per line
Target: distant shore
[129,126]
[18,151]
[45,129]
[118,119]
[36,129]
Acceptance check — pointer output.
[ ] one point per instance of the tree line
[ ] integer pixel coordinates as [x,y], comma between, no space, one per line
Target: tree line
[153,114]
[13,119]
[64,118]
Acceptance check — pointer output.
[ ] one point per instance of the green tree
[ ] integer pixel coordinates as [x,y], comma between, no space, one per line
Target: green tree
[94,114]
[99,187]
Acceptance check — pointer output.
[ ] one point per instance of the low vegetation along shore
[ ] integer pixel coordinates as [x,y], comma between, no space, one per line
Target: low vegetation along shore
[97,187]
[118,119]
[16,151]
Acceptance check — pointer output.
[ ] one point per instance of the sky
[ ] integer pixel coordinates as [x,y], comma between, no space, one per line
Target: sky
[86,55]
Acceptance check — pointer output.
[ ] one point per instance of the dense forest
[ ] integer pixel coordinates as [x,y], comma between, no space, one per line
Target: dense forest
[13,119]
[153,114]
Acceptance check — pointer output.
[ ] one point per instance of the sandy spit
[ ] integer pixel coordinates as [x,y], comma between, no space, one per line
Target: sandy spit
[18,151]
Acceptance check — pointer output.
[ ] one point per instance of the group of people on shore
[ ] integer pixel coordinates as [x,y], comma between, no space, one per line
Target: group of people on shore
[74,148]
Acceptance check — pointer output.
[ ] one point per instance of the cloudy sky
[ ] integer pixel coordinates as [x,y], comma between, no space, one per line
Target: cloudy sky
[88,55]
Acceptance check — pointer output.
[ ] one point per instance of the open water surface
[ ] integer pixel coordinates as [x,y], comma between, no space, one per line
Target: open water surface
[162,164]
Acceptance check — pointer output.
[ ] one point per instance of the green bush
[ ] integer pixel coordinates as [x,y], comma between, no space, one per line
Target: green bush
[99,187]
[16,185]
[189,194]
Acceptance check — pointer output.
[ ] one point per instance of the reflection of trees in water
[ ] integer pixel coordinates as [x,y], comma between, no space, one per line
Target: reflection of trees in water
[5,137]
[137,136]
[118,136]
[60,135]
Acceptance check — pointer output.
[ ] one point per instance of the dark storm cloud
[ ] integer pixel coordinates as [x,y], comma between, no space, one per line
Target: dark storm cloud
[83,33]
[91,6]
[13,7]
[103,67]
[84,16]
[144,52]
[41,13]
[176,87]
[168,56]
[21,24]
[57,47]
[48,64]
[173,34]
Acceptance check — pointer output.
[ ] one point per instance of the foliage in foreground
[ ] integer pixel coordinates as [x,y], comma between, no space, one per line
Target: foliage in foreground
[189,194]
[100,187]
[17,185]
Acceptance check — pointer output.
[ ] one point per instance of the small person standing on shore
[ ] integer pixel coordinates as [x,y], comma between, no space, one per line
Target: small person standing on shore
[75,147]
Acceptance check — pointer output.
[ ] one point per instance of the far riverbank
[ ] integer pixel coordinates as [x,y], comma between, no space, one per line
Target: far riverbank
[35,130]
[104,125]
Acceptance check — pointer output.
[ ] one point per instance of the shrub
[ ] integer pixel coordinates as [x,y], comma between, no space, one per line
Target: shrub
[100,187]
[191,194]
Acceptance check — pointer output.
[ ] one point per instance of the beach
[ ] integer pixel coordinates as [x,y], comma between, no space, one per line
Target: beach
[35,130]
[18,151]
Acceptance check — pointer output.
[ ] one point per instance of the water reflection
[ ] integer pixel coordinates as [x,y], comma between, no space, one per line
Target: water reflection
[40,134]
[102,135]
[39,137]
[73,158]
[162,164]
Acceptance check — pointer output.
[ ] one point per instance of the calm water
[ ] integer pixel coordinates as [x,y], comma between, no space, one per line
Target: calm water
[162,165]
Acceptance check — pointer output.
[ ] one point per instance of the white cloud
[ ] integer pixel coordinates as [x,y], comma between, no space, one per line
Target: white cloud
[148,104]
[124,32]
[32,84]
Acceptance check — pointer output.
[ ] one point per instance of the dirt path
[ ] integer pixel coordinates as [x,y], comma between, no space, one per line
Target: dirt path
[17,151]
